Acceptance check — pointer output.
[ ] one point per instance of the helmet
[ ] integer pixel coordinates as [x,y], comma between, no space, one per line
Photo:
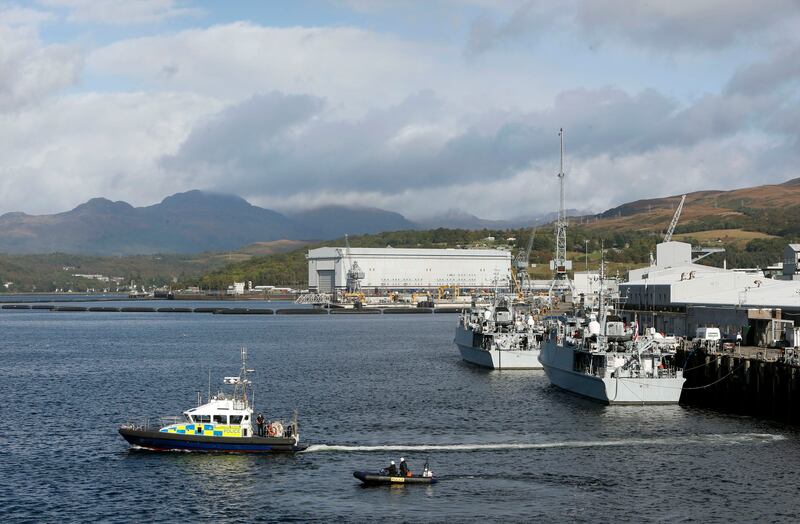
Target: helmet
[402,459]
[392,463]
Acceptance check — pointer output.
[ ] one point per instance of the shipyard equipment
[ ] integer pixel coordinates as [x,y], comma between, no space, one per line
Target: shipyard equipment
[560,265]
[521,263]
[675,218]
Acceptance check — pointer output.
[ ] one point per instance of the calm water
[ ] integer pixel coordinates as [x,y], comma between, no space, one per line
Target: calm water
[368,389]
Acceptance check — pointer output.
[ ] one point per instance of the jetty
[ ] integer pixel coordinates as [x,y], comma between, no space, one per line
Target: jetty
[755,381]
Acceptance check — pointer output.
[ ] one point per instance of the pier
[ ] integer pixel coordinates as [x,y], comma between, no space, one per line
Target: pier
[228,310]
[753,381]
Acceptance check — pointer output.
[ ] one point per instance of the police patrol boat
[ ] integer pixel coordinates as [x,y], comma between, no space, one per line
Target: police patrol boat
[223,424]
[501,335]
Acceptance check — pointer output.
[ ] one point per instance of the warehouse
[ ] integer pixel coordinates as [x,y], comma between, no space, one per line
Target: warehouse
[677,296]
[408,269]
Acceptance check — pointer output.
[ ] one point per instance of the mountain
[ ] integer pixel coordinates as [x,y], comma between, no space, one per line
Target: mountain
[456,219]
[190,222]
[336,221]
[183,223]
[197,221]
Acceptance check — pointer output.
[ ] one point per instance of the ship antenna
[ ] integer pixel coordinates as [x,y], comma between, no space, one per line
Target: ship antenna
[602,284]
[209,385]
[560,265]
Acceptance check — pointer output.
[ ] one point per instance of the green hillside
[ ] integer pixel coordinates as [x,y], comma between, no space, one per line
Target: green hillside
[624,249]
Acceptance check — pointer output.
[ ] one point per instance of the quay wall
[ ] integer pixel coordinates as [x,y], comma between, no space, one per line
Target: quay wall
[744,385]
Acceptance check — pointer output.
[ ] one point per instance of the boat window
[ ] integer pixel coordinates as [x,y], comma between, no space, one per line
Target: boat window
[188,417]
[220,419]
[247,417]
[236,419]
[202,418]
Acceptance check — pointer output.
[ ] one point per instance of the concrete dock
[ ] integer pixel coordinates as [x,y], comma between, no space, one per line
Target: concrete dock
[753,381]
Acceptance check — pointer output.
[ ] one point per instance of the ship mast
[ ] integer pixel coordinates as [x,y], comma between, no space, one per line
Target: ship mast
[560,265]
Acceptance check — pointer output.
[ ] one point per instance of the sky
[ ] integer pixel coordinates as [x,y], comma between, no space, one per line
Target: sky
[418,107]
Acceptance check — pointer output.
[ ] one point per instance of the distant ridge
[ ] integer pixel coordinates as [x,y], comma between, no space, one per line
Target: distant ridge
[190,222]
[456,219]
[708,209]
[336,221]
[198,221]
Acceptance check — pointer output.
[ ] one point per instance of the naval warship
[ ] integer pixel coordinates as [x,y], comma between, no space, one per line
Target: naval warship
[602,357]
[502,335]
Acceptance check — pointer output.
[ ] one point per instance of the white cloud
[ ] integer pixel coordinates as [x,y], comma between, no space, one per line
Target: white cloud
[66,150]
[353,69]
[346,65]
[687,25]
[299,116]
[662,26]
[15,15]
[120,12]
[596,182]
[283,149]
[30,69]
[779,69]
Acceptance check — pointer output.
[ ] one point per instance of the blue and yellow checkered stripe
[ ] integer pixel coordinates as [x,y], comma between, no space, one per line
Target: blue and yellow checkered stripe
[208,430]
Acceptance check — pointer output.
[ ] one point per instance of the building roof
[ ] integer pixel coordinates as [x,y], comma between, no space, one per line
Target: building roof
[334,252]
[704,285]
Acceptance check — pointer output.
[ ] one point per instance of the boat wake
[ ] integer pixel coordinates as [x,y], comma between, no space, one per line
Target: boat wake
[715,439]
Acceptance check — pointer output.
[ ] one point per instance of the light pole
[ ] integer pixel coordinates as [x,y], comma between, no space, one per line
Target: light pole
[586,250]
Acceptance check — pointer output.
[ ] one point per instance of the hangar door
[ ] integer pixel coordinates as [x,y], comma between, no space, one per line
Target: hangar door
[326,280]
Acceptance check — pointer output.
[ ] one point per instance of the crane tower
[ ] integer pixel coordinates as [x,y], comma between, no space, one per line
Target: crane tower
[674,223]
[560,265]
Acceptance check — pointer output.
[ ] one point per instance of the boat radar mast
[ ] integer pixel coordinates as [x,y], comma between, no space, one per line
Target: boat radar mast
[560,265]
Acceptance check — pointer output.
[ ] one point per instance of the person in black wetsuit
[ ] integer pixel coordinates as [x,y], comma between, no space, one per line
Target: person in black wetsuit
[392,469]
[404,472]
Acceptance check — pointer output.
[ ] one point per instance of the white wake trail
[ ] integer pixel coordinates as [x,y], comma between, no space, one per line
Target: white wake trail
[716,439]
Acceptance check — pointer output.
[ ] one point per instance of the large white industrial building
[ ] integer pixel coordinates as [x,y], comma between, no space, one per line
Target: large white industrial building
[676,295]
[411,269]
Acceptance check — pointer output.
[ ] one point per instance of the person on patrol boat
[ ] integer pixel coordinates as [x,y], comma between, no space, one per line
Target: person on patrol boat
[392,469]
[260,423]
[404,471]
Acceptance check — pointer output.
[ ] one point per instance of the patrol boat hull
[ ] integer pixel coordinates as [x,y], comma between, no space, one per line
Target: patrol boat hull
[558,366]
[493,358]
[374,479]
[160,441]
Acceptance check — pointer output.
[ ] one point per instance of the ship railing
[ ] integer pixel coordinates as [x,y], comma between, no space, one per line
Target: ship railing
[167,421]
[662,373]
[152,423]
[138,424]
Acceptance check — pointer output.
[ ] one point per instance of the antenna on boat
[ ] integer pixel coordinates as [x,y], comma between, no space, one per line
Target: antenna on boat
[602,276]
[209,385]
[560,265]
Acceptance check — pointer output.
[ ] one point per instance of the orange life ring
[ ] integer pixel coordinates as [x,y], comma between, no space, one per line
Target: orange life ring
[271,431]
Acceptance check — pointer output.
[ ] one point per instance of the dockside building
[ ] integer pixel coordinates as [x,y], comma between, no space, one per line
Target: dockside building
[408,269]
[676,296]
